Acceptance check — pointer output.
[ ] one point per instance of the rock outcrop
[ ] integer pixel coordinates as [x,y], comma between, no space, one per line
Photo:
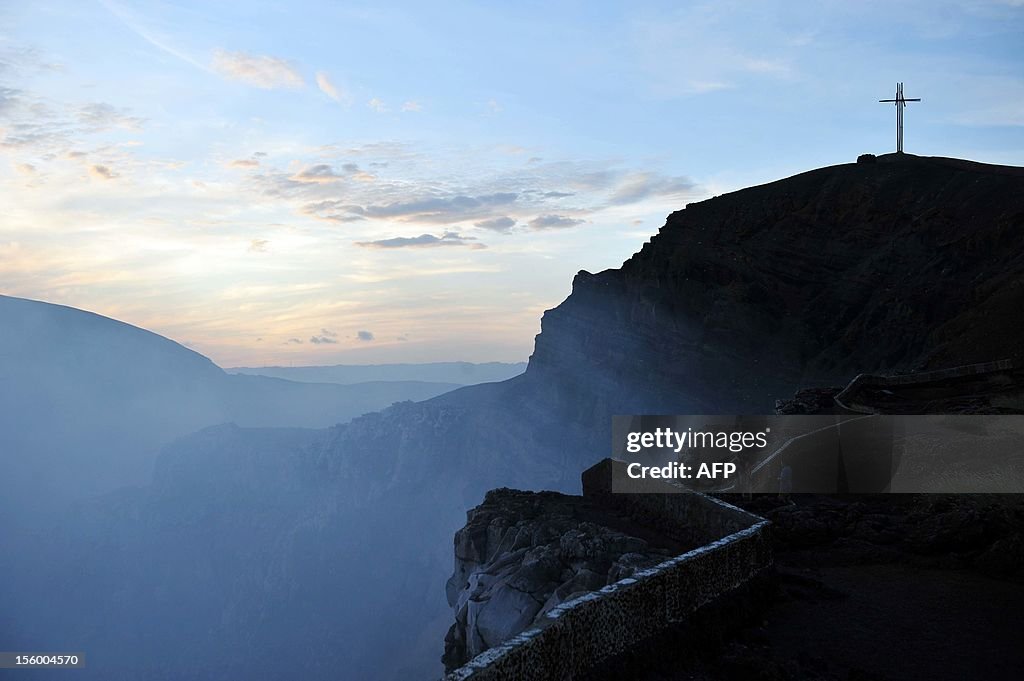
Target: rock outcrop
[521,554]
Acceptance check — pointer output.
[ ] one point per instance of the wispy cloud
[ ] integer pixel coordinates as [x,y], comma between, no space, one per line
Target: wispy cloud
[327,86]
[699,50]
[424,241]
[102,172]
[262,71]
[34,123]
[341,192]
[138,26]
[102,116]
[554,222]
[323,340]
[637,186]
[412,106]
[318,173]
[377,105]
[365,336]
[499,224]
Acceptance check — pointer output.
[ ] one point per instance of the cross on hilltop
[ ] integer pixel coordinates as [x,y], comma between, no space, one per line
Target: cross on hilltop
[901,103]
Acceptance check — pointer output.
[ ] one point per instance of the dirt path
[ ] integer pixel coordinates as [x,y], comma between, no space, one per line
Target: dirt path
[896,622]
[883,588]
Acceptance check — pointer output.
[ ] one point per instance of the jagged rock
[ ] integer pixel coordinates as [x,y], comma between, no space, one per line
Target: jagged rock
[523,553]
[809,401]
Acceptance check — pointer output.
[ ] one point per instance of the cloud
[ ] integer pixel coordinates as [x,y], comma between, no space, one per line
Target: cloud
[696,49]
[638,186]
[366,336]
[493,106]
[261,71]
[502,224]
[328,333]
[31,121]
[10,98]
[25,168]
[322,340]
[323,173]
[323,81]
[424,241]
[377,105]
[318,173]
[20,58]
[433,210]
[102,172]
[412,105]
[329,188]
[699,87]
[442,210]
[133,22]
[258,245]
[294,341]
[103,116]
[244,163]
[553,222]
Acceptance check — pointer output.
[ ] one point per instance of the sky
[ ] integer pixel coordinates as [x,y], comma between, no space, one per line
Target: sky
[328,182]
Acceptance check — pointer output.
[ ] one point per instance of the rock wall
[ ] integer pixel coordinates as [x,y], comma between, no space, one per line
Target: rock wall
[576,636]
[522,554]
[905,264]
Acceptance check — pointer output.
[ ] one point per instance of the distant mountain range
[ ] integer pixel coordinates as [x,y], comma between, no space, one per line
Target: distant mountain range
[462,373]
[322,554]
[87,401]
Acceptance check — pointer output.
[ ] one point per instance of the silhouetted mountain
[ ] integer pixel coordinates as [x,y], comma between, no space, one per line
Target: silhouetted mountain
[86,402]
[275,554]
[462,373]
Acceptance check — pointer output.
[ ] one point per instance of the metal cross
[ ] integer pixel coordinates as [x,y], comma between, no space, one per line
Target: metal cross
[901,103]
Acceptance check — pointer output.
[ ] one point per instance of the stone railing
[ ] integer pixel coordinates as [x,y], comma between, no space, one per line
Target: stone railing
[575,637]
[847,399]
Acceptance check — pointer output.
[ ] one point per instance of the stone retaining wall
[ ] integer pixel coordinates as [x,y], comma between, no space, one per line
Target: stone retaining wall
[578,635]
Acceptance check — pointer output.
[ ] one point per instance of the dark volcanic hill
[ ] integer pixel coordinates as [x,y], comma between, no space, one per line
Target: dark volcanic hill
[906,263]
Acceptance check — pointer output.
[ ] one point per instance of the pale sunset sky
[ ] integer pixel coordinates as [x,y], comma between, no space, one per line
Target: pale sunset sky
[336,182]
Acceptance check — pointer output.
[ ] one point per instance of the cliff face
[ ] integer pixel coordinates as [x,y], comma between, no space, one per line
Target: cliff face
[739,300]
[907,263]
[523,553]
